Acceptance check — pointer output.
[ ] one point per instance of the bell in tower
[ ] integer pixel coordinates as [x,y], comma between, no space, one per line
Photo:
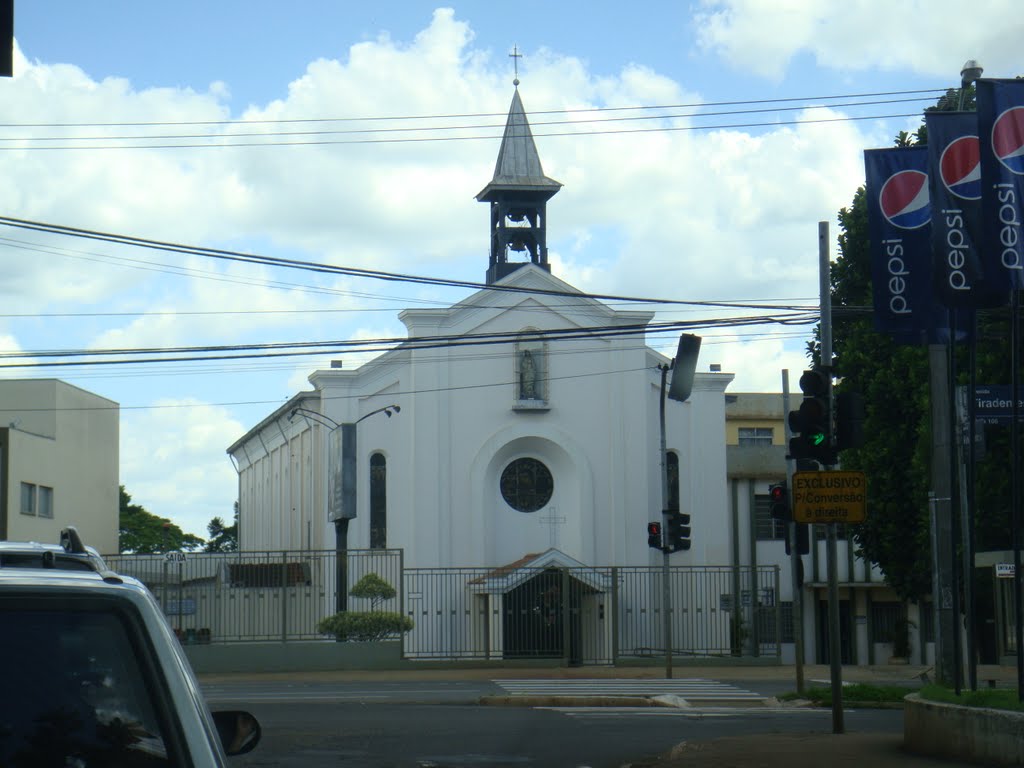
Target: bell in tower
[518,196]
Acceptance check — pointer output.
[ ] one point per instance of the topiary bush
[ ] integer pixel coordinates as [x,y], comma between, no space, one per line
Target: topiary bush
[367,626]
[364,626]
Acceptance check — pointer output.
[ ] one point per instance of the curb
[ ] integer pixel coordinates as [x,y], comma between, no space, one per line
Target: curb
[671,702]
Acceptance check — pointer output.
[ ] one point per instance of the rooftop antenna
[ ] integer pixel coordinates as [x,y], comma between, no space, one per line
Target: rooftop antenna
[516,56]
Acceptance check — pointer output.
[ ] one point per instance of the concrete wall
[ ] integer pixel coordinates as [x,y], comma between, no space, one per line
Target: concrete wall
[977,735]
[293,657]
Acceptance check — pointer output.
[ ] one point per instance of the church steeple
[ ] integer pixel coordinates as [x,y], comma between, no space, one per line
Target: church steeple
[518,194]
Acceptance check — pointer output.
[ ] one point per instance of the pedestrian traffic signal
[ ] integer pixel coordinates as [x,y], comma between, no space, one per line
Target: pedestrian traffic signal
[678,537]
[811,423]
[654,535]
[778,496]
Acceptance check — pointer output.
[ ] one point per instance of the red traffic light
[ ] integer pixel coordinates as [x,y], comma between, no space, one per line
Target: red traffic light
[654,529]
[777,493]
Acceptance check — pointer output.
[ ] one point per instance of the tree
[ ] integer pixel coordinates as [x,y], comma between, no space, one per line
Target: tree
[223,538]
[366,626]
[141,532]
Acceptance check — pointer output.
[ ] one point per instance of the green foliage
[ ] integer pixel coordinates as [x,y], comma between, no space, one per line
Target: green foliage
[861,693]
[223,538]
[894,383]
[141,532]
[365,626]
[373,588]
[994,698]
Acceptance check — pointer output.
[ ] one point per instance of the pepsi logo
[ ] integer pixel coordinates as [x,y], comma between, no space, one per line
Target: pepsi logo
[904,200]
[1008,139]
[960,167]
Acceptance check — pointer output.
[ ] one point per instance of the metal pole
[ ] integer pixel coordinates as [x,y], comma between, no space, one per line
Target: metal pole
[1015,484]
[954,532]
[835,646]
[967,512]
[666,595]
[794,554]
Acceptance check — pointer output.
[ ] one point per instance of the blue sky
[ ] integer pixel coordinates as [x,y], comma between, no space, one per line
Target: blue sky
[694,213]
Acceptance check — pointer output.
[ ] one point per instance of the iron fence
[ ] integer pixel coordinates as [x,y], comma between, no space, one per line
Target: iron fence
[579,615]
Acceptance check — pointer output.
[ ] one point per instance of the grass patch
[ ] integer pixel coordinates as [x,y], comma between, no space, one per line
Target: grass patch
[995,698]
[859,692]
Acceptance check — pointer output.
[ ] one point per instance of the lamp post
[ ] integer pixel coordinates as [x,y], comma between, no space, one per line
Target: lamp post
[342,478]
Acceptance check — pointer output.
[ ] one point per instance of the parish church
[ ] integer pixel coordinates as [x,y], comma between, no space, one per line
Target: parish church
[517,427]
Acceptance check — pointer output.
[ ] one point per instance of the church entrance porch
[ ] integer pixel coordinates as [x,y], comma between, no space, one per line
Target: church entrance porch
[543,617]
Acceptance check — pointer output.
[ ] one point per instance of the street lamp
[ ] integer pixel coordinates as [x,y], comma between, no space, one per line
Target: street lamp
[341,487]
[971,71]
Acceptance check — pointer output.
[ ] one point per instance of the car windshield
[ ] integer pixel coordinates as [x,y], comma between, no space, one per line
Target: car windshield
[75,695]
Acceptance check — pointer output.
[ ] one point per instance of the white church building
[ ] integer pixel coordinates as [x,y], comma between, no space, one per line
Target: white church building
[537,427]
[515,432]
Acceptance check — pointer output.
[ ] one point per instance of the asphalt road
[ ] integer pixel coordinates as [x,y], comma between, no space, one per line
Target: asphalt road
[432,725]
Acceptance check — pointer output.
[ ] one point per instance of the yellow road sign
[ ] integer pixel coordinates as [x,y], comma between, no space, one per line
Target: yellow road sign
[829,497]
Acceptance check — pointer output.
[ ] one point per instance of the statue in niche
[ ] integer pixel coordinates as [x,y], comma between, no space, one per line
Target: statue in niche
[527,376]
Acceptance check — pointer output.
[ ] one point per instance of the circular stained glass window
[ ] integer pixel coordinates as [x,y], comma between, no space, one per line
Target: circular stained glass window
[527,485]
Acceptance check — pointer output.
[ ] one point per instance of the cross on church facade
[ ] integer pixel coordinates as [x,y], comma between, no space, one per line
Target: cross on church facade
[552,521]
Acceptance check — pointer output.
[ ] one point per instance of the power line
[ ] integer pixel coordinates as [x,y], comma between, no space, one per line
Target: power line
[421,139]
[312,266]
[925,93]
[438,128]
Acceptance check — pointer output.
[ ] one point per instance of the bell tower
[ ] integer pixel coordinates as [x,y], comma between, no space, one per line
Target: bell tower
[518,196]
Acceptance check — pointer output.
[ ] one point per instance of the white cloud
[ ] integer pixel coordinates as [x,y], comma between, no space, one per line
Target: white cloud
[173,461]
[927,37]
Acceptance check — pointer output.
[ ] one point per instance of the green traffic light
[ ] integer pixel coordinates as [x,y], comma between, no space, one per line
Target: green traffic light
[817,438]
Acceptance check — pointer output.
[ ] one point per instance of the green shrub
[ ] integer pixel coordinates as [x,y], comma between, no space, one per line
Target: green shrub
[994,698]
[373,588]
[363,626]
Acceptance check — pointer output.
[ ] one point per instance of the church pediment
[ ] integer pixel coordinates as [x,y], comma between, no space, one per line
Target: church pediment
[505,578]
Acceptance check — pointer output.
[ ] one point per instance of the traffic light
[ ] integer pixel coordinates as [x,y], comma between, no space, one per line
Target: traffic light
[778,496]
[678,537]
[811,424]
[654,535]
[803,539]
[849,420]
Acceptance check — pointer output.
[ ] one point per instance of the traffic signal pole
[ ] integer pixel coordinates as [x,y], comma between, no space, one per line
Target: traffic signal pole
[794,556]
[666,594]
[834,644]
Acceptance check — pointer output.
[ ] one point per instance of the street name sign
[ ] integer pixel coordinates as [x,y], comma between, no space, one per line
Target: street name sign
[829,497]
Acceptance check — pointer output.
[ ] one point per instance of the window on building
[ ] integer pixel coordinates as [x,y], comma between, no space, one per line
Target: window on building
[45,502]
[672,470]
[378,501]
[821,532]
[28,499]
[885,617]
[527,485]
[767,527]
[756,436]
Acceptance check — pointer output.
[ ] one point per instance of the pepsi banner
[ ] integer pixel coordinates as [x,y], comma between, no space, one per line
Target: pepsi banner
[1001,136]
[955,190]
[899,225]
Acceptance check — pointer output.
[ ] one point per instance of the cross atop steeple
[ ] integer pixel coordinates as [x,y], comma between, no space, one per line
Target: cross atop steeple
[517,194]
[516,56]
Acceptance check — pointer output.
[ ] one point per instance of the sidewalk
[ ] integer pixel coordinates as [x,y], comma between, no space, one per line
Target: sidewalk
[815,675]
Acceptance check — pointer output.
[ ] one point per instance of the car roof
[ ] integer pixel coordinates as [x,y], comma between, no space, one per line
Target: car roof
[77,580]
[70,554]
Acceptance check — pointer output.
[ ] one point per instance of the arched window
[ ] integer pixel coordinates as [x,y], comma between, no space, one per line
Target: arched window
[378,501]
[672,467]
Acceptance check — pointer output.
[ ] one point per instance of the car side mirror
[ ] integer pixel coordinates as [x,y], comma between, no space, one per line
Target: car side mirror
[239,731]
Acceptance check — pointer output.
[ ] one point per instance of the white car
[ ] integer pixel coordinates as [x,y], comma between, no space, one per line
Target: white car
[92,673]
